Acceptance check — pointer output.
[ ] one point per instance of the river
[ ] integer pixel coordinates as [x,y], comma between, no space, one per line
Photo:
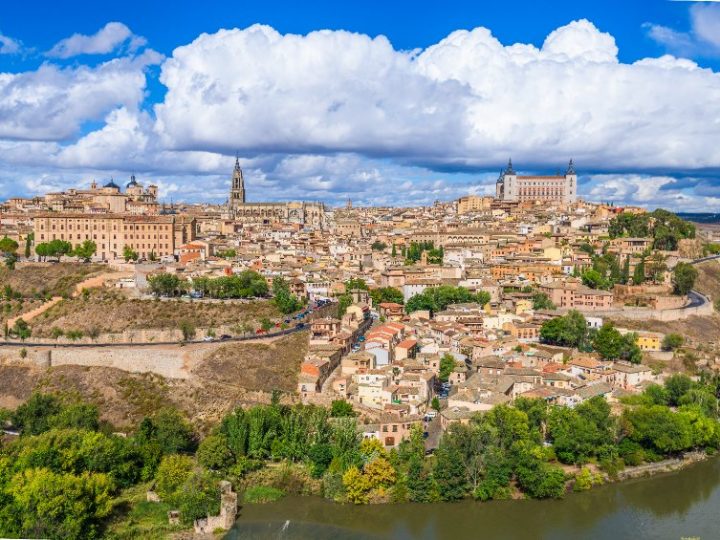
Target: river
[684,504]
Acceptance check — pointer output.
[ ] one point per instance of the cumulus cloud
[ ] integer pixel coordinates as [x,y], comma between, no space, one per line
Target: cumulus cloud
[52,102]
[333,115]
[9,45]
[703,38]
[467,102]
[106,40]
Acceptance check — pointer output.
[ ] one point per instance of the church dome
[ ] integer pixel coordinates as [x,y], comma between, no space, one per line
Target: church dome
[112,184]
[132,182]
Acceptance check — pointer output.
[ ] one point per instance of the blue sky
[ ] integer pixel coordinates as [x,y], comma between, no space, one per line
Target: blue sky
[399,103]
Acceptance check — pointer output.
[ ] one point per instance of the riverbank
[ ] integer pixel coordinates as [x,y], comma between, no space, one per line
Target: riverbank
[680,504]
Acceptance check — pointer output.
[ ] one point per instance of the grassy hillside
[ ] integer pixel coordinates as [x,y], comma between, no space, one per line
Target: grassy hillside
[47,279]
[110,311]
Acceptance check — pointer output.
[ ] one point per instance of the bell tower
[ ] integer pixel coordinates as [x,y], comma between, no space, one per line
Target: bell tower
[237,187]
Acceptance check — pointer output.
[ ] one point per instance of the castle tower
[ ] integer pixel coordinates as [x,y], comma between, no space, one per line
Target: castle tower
[237,188]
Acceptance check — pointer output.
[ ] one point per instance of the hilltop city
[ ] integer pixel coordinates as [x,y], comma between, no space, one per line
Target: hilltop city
[411,322]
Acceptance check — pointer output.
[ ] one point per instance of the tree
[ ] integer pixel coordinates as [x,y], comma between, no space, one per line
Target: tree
[438,298]
[169,430]
[266,324]
[419,481]
[612,345]
[658,428]
[356,485]
[34,416]
[639,273]
[46,504]
[28,243]
[595,280]
[684,276]
[541,301]
[166,284]
[447,365]
[677,386]
[198,497]
[625,273]
[387,294]
[393,253]
[449,473]
[283,299]
[86,250]
[8,246]
[214,453]
[341,408]
[172,473]
[672,341]
[435,403]
[377,245]
[129,254]
[569,330]
[21,330]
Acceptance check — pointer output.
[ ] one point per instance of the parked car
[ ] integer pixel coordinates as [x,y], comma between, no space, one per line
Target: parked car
[208,338]
[225,337]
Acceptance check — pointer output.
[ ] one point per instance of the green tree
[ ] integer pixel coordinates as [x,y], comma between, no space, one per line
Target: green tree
[171,474]
[541,301]
[684,276]
[21,330]
[672,341]
[377,245]
[34,416]
[28,244]
[169,429]
[198,497]
[639,273]
[449,473]
[129,254]
[447,365]
[569,330]
[214,453]
[8,246]
[85,251]
[341,408]
[45,504]
[283,299]
[166,284]
[386,294]
[612,345]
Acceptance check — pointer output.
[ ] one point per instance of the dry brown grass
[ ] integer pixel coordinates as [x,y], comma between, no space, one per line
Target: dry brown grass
[708,281]
[235,374]
[45,279]
[109,311]
[256,366]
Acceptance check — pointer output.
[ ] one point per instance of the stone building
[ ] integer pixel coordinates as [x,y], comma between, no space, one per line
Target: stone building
[562,189]
[159,235]
[304,214]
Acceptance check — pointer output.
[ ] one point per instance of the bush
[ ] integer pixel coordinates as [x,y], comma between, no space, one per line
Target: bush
[172,473]
[262,494]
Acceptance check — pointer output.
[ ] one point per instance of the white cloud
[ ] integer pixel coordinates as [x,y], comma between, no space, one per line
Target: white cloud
[703,38]
[331,115]
[468,101]
[106,40]
[9,45]
[52,103]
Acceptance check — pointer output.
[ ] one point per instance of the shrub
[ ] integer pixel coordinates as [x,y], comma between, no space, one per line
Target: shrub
[262,494]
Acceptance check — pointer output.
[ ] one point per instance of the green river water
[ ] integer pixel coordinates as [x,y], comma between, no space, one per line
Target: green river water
[680,505]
